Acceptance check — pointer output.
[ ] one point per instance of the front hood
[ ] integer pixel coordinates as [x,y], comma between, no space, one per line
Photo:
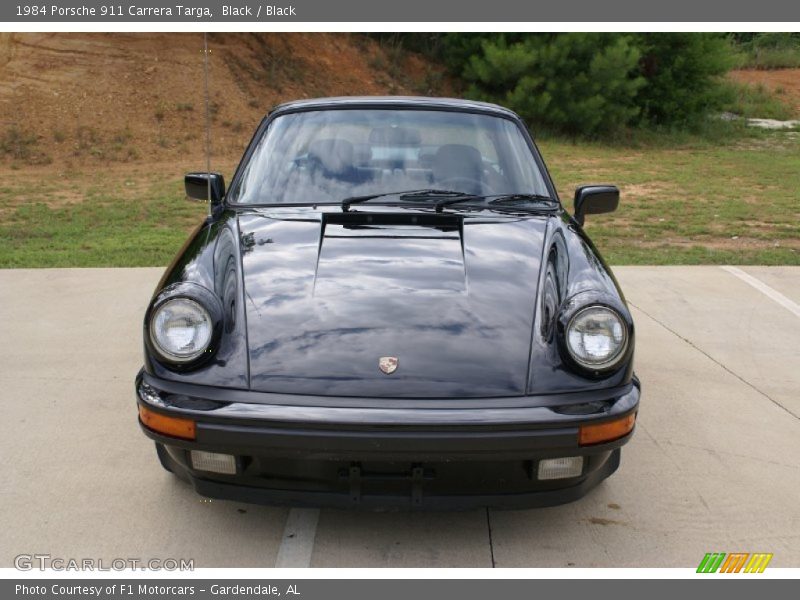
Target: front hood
[328,295]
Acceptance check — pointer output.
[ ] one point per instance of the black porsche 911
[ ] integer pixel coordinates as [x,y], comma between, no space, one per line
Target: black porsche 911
[390,307]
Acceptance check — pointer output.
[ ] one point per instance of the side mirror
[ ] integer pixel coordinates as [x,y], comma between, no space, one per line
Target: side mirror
[198,186]
[594,200]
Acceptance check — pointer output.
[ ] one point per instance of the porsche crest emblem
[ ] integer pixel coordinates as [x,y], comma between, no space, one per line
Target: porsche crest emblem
[388,364]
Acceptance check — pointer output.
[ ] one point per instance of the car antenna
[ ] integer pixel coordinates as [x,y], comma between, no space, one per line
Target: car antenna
[208,120]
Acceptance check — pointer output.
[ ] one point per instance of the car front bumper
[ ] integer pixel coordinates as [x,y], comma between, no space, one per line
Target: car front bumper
[387,453]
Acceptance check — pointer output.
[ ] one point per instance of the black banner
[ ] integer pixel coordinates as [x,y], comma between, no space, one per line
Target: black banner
[417,11]
[390,589]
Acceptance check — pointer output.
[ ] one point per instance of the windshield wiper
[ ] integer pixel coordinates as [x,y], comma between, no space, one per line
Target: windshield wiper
[430,194]
[423,194]
[448,197]
[496,199]
[512,198]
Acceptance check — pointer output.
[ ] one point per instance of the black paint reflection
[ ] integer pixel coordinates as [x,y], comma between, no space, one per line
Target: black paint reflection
[211,258]
[315,302]
[326,307]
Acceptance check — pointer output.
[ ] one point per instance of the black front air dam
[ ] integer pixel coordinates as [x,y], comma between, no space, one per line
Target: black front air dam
[399,457]
[408,494]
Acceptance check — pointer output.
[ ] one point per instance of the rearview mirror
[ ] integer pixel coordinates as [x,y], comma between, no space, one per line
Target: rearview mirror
[205,186]
[595,199]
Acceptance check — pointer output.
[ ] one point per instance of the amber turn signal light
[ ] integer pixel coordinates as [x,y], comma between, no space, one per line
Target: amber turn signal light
[172,426]
[606,432]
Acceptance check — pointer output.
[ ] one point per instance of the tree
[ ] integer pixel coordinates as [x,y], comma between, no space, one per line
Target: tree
[594,83]
[682,72]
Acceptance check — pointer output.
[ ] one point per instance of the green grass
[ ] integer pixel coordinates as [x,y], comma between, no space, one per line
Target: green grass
[780,57]
[756,101]
[685,200]
[773,50]
[700,204]
[109,222]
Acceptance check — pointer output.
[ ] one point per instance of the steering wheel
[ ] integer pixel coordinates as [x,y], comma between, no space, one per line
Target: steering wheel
[462,183]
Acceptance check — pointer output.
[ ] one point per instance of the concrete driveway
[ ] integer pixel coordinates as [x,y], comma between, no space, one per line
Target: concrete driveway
[714,466]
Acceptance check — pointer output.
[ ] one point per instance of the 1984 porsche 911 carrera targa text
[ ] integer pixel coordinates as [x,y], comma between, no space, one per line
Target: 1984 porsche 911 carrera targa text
[389,307]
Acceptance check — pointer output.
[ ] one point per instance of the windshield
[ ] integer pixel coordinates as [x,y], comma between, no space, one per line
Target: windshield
[327,156]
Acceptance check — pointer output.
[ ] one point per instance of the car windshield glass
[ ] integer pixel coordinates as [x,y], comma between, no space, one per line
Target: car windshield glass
[327,156]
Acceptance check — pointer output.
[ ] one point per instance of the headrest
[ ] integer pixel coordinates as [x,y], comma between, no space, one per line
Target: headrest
[335,155]
[395,136]
[457,160]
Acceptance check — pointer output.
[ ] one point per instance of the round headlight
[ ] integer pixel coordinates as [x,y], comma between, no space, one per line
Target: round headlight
[181,329]
[596,337]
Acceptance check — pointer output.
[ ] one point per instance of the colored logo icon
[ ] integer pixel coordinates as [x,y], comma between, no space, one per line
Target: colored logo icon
[735,562]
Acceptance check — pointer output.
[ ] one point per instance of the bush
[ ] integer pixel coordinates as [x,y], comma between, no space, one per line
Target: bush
[771,50]
[584,82]
[755,101]
[683,73]
[22,145]
[595,83]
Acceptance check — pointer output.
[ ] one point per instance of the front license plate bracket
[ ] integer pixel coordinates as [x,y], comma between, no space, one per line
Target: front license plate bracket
[356,476]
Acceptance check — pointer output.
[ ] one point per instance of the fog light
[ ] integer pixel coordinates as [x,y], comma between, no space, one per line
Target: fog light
[213,462]
[560,468]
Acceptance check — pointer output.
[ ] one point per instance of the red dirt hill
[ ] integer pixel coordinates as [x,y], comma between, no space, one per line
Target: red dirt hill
[86,98]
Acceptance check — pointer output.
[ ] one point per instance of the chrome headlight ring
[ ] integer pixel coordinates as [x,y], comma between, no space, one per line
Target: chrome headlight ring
[596,336]
[183,325]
